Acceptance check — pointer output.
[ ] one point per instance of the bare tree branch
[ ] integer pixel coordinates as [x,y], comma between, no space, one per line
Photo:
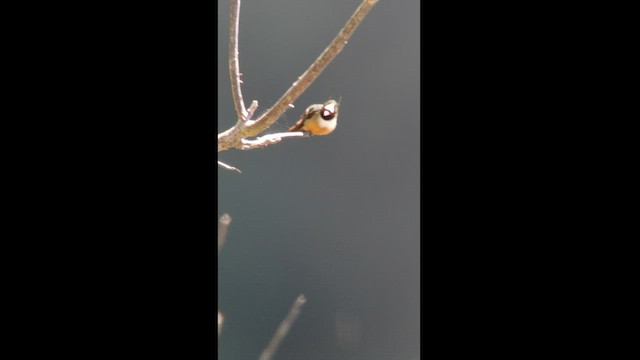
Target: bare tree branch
[270,139]
[234,62]
[228,167]
[283,329]
[252,109]
[232,138]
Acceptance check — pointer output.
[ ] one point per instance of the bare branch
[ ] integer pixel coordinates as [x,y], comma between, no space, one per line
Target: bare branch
[252,109]
[283,329]
[270,139]
[223,227]
[232,137]
[228,167]
[234,62]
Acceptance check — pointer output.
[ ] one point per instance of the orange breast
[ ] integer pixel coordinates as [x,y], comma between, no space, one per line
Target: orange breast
[314,128]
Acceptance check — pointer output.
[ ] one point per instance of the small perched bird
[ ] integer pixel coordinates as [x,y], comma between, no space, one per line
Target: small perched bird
[318,119]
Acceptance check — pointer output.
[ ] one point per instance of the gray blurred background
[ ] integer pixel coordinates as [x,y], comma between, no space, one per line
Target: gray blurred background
[333,217]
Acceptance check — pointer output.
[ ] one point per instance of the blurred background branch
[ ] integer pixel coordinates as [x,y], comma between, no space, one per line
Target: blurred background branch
[223,227]
[284,328]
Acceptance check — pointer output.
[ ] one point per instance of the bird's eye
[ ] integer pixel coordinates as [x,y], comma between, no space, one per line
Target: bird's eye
[328,115]
[329,112]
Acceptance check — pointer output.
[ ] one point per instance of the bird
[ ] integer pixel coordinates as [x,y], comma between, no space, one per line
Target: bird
[318,119]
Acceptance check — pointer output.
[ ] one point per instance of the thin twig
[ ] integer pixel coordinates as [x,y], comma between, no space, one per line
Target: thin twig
[283,329]
[252,108]
[223,227]
[234,62]
[270,139]
[228,167]
[232,137]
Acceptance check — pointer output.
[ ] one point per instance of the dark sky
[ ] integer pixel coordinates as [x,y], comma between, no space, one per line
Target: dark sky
[333,217]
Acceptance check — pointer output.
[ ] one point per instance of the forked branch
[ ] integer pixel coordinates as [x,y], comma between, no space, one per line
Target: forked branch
[232,138]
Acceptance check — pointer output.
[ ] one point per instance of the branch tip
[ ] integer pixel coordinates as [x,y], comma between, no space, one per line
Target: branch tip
[228,167]
[283,329]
